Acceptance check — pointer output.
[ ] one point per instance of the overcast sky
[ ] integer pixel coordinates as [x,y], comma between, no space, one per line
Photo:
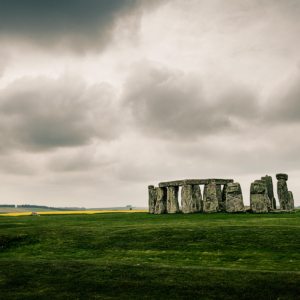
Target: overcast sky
[99,99]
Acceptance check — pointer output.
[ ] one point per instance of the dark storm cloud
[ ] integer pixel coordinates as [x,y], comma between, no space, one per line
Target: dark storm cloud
[78,24]
[42,113]
[170,103]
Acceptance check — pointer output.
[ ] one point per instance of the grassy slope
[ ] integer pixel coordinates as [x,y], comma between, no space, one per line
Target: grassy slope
[141,256]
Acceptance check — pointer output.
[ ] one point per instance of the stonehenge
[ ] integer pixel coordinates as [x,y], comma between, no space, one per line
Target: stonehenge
[164,198]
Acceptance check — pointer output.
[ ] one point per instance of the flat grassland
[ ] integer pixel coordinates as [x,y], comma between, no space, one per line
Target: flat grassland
[142,256]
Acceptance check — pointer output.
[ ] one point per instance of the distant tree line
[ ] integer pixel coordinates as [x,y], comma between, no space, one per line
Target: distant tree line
[51,207]
[7,205]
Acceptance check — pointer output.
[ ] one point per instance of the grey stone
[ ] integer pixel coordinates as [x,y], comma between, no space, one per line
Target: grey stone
[172,200]
[152,198]
[210,199]
[171,183]
[290,204]
[222,206]
[194,182]
[267,199]
[234,198]
[259,197]
[34,214]
[282,176]
[188,201]
[220,181]
[161,201]
[282,190]
[269,182]
[198,198]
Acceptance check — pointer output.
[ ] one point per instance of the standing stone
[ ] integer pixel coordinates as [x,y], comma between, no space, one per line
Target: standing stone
[152,198]
[259,197]
[267,199]
[234,198]
[188,201]
[34,214]
[210,199]
[198,198]
[161,201]
[172,200]
[290,205]
[282,190]
[269,182]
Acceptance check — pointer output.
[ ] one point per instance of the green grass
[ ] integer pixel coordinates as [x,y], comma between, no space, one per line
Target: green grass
[142,256]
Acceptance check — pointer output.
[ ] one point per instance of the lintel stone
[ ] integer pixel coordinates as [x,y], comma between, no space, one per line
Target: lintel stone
[195,182]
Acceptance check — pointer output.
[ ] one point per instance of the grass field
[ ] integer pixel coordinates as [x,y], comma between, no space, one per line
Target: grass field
[142,256]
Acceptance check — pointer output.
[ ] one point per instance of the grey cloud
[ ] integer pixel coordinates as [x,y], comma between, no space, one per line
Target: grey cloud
[79,25]
[79,160]
[42,113]
[284,106]
[169,103]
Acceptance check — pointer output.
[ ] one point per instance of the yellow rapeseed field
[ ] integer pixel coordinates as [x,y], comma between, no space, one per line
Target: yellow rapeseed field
[73,212]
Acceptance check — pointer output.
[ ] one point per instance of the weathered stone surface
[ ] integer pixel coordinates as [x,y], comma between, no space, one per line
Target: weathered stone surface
[194,182]
[198,198]
[171,183]
[152,198]
[188,201]
[282,192]
[210,199]
[34,214]
[161,201]
[269,182]
[267,199]
[222,206]
[290,203]
[282,176]
[259,197]
[234,198]
[220,181]
[172,200]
